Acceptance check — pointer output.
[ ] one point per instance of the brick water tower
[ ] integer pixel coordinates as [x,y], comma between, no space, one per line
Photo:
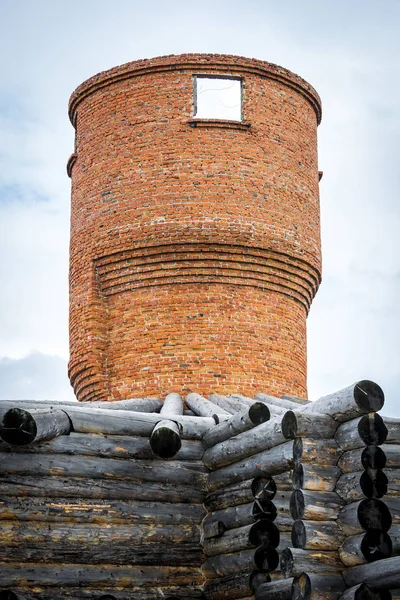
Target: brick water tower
[195,240]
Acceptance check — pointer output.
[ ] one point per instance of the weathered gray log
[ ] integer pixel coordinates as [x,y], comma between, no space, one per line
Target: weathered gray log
[240,402]
[244,514]
[272,461]
[262,533]
[384,574]
[392,453]
[370,457]
[394,533]
[365,547]
[313,586]
[315,478]
[212,529]
[111,446]
[295,561]
[129,576]
[223,402]
[362,431]
[21,427]
[284,481]
[393,505]
[84,487]
[165,439]
[94,511]
[357,399]
[393,426]
[295,399]
[96,544]
[204,408]
[393,482]
[317,452]
[355,486]
[236,586]
[310,425]
[134,404]
[363,592]
[185,473]
[283,402]
[316,535]
[238,423]
[169,592]
[275,590]
[263,488]
[369,513]
[263,558]
[265,436]
[117,422]
[315,506]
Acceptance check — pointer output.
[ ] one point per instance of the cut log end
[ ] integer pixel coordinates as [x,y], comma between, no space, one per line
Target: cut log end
[297,504]
[259,413]
[376,545]
[165,442]
[299,535]
[374,486]
[263,488]
[301,587]
[374,514]
[289,425]
[372,429]
[264,509]
[257,578]
[368,396]
[287,563]
[8,595]
[18,427]
[266,558]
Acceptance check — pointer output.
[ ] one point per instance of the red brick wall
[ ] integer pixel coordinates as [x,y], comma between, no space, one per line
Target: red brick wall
[195,250]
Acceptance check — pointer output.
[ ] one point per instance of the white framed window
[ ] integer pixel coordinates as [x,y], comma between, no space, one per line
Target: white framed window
[217,97]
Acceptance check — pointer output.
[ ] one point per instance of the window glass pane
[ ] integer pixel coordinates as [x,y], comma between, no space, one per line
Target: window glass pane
[218,98]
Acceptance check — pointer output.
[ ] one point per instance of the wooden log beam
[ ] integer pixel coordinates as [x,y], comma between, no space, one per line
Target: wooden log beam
[295,399]
[263,558]
[317,452]
[372,483]
[272,461]
[244,514]
[235,586]
[393,427]
[76,510]
[310,425]
[393,505]
[204,408]
[362,431]
[295,561]
[134,404]
[263,488]
[97,544]
[315,478]
[169,592]
[369,513]
[315,506]
[284,403]
[384,575]
[165,439]
[275,590]
[212,529]
[20,427]
[126,577]
[365,548]
[370,457]
[317,535]
[363,592]
[392,454]
[42,465]
[262,533]
[51,486]
[263,437]
[313,586]
[238,423]
[224,402]
[111,446]
[357,399]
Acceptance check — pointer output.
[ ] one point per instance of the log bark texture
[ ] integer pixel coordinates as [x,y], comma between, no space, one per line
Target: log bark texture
[262,533]
[362,431]
[263,488]
[244,514]
[236,586]
[261,559]
[315,478]
[383,575]
[20,427]
[370,457]
[365,548]
[317,452]
[315,506]
[295,561]
[238,423]
[369,513]
[317,535]
[204,408]
[310,425]
[352,487]
[313,586]
[275,590]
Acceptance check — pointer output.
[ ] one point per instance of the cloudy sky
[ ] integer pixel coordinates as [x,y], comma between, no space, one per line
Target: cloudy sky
[349,51]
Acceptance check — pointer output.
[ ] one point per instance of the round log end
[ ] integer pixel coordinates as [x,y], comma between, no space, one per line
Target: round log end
[375,487]
[301,587]
[363,592]
[257,578]
[107,597]
[264,533]
[18,427]
[289,425]
[297,504]
[368,396]
[372,429]
[297,449]
[287,563]
[373,457]
[8,595]
[376,545]
[263,488]
[264,510]
[165,442]
[298,476]
[266,559]
[374,514]
[259,413]
[299,535]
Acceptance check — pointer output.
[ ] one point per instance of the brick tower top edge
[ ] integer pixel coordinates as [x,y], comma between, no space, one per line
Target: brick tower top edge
[195,238]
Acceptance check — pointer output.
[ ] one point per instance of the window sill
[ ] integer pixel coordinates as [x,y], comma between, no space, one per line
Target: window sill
[221,123]
[71,161]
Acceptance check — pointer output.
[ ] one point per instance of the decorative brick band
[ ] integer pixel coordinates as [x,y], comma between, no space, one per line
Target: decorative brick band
[201,263]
